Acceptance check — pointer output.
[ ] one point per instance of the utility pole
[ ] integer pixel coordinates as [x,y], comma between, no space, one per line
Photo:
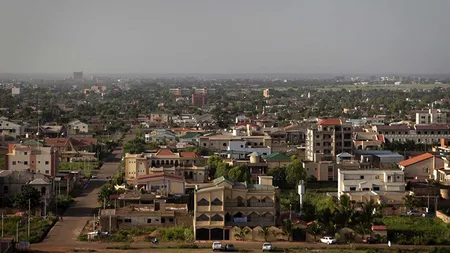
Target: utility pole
[29,218]
[94,223]
[17,231]
[109,224]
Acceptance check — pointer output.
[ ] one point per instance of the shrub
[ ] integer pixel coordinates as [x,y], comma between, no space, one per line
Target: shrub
[82,237]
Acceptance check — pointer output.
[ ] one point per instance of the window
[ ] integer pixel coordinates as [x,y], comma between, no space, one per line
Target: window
[224,144]
[47,172]
[361,177]
[14,163]
[353,188]
[377,177]
[204,144]
[330,169]
[389,177]
[242,146]
[330,178]
[5,189]
[46,162]
[25,153]
[426,170]
[127,220]
[170,219]
[163,220]
[366,189]
[376,188]
[25,162]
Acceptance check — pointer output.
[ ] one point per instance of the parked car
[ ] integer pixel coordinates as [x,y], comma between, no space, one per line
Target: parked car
[413,213]
[94,177]
[229,247]
[328,240]
[370,240]
[267,246]
[216,246]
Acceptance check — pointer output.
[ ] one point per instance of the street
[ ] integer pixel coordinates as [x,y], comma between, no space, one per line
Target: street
[64,233]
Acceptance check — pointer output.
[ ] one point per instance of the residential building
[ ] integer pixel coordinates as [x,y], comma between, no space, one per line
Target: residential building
[240,149]
[16,91]
[11,183]
[295,134]
[180,92]
[52,131]
[367,140]
[158,214]
[381,159]
[161,184]
[160,118]
[76,126]
[36,158]
[223,142]
[423,133]
[432,116]
[266,93]
[382,186]
[8,128]
[69,148]
[327,138]
[421,167]
[276,160]
[199,99]
[187,165]
[225,204]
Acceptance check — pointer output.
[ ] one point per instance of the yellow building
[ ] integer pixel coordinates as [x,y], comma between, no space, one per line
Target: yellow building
[226,204]
[188,165]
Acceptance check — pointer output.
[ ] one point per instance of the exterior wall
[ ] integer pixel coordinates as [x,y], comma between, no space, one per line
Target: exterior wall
[367,180]
[223,143]
[443,216]
[423,169]
[172,186]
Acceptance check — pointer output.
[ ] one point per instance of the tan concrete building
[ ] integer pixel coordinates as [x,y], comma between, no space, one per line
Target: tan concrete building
[159,214]
[162,184]
[37,159]
[327,138]
[421,167]
[226,204]
[188,165]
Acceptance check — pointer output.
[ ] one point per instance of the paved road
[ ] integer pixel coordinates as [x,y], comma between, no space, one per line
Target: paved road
[66,232]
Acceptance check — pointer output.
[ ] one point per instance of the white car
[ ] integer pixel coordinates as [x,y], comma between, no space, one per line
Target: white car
[216,246]
[267,246]
[328,240]
[94,177]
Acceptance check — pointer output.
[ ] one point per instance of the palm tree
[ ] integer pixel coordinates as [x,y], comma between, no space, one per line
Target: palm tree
[410,201]
[369,211]
[266,232]
[288,228]
[315,229]
[242,235]
[362,229]
[345,211]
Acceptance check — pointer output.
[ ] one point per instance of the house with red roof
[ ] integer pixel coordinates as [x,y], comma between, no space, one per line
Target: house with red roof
[421,167]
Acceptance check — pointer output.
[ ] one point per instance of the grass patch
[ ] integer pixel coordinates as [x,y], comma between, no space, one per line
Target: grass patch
[86,168]
[417,230]
[38,227]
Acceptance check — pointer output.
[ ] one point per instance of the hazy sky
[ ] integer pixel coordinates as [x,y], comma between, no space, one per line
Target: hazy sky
[225,36]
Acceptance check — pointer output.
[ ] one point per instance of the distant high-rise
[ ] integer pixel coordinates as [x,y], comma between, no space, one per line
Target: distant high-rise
[78,75]
[199,99]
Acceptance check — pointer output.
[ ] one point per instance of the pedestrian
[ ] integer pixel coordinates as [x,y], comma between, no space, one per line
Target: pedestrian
[389,244]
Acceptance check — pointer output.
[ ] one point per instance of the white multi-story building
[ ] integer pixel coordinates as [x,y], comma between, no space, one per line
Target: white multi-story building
[10,128]
[419,133]
[432,116]
[77,126]
[240,149]
[387,186]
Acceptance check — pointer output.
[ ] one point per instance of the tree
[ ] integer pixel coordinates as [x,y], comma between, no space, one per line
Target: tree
[105,191]
[345,211]
[213,162]
[410,202]
[295,172]
[240,174]
[279,176]
[266,232]
[362,229]
[135,146]
[287,226]
[222,170]
[28,193]
[314,229]
[242,234]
